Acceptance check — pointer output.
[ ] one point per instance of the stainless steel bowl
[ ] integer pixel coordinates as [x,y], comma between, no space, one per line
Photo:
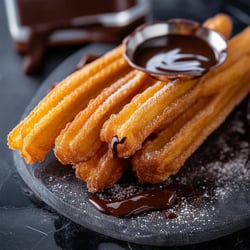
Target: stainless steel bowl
[173,26]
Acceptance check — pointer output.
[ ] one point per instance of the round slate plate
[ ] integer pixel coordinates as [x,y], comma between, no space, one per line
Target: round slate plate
[219,172]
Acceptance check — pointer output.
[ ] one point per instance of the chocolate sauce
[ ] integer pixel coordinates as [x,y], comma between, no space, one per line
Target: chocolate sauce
[114,143]
[170,215]
[148,200]
[176,54]
[182,190]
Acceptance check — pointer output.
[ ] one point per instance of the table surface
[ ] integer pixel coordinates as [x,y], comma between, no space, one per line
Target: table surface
[25,221]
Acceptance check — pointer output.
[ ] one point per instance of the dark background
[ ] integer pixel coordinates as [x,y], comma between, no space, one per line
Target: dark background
[26,222]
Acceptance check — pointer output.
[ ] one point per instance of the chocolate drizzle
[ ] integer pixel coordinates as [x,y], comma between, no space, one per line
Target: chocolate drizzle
[114,143]
[147,200]
[176,54]
[136,204]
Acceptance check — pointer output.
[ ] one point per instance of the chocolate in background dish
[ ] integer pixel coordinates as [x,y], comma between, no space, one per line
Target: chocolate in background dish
[45,11]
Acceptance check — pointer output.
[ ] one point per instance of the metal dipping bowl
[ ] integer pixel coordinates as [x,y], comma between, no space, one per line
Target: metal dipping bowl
[173,26]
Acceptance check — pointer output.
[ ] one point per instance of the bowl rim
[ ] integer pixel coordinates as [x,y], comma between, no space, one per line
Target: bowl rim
[196,26]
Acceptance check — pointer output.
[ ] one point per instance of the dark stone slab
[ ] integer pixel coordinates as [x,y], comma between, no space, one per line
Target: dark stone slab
[219,170]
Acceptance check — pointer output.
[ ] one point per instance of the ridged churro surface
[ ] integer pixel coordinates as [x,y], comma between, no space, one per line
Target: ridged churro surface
[61,105]
[80,139]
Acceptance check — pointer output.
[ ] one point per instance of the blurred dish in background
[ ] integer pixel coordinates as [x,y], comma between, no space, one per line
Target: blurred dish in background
[34,25]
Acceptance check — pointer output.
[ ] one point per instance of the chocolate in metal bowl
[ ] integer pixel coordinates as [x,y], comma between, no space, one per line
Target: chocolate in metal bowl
[176,48]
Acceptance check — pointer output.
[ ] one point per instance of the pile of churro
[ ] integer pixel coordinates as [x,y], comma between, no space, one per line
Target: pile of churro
[108,118]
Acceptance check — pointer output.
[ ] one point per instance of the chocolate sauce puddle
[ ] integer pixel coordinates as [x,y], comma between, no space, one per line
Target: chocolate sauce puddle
[144,201]
[176,54]
[114,143]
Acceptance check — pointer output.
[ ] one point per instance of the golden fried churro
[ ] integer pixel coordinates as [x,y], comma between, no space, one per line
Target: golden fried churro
[166,154]
[57,94]
[102,170]
[138,126]
[109,128]
[221,23]
[242,66]
[62,104]
[80,139]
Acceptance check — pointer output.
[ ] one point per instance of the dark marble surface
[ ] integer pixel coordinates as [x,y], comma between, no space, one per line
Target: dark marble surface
[25,221]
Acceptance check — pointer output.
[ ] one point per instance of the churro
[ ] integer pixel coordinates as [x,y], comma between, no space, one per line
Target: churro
[102,170]
[80,139]
[134,125]
[221,23]
[62,103]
